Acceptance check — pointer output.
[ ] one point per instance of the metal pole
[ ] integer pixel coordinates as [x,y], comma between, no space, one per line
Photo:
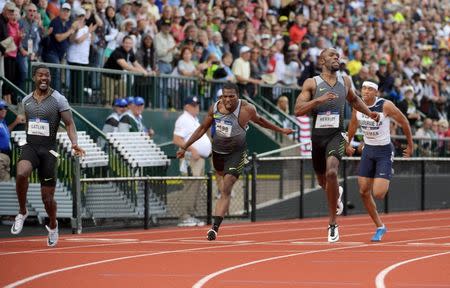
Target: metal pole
[422,185]
[281,192]
[254,173]
[246,192]
[146,205]
[302,190]
[344,196]
[76,200]
[209,193]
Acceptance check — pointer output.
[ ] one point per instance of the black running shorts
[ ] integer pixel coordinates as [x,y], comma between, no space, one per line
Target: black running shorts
[232,163]
[42,160]
[324,147]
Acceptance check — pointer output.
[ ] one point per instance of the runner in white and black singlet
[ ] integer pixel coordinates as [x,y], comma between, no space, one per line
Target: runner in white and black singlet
[375,167]
[44,109]
[324,96]
[229,117]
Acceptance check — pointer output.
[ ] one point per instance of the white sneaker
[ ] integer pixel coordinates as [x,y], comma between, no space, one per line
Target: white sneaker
[199,222]
[333,233]
[53,236]
[18,223]
[340,205]
[188,222]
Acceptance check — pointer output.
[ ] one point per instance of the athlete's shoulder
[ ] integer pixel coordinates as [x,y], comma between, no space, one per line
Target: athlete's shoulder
[27,98]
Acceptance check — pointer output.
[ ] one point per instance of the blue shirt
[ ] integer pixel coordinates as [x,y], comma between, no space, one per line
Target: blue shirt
[59,27]
[4,136]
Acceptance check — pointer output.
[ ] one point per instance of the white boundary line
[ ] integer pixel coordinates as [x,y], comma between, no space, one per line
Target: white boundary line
[386,217]
[208,277]
[229,235]
[37,276]
[379,280]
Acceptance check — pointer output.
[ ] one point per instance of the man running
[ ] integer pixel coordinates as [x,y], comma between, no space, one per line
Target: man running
[375,168]
[44,109]
[230,116]
[325,96]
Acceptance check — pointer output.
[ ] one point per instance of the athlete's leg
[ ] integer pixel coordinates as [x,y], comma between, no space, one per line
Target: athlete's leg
[380,187]
[47,194]
[332,187]
[24,169]
[223,203]
[365,189]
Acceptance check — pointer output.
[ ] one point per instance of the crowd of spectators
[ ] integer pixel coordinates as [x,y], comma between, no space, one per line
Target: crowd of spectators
[402,45]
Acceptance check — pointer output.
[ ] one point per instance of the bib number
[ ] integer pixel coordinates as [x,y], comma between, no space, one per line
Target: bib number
[224,128]
[38,127]
[327,120]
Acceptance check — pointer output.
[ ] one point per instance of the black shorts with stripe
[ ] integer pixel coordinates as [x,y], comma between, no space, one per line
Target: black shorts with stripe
[43,160]
[324,147]
[231,163]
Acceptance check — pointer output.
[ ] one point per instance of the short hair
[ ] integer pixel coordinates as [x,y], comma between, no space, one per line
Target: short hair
[39,66]
[231,86]
[127,37]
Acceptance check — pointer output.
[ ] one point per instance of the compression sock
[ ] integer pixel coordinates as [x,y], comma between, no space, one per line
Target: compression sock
[217,222]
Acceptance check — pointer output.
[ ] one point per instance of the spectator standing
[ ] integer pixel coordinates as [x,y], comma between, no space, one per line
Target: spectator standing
[11,67]
[111,31]
[409,107]
[60,30]
[146,54]
[165,47]
[5,145]
[194,162]
[241,70]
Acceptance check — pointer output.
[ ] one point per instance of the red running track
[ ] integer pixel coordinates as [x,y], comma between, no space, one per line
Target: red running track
[414,253]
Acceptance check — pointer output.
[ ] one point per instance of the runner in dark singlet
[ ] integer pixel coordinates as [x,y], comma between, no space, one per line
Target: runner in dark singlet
[230,117]
[324,96]
[44,109]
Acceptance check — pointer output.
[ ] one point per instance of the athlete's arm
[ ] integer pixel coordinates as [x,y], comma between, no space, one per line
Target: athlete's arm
[390,110]
[66,117]
[304,103]
[261,121]
[202,129]
[352,126]
[357,103]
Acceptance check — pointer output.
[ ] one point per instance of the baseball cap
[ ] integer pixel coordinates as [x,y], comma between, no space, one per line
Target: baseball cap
[244,49]
[9,6]
[191,100]
[166,22]
[3,104]
[67,6]
[138,101]
[80,12]
[130,100]
[120,102]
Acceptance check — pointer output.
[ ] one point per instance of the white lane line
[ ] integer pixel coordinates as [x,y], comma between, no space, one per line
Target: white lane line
[113,240]
[208,277]
[379,280]
[350,218]
[326,243]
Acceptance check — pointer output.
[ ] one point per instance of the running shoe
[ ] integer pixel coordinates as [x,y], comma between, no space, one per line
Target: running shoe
[18,223]
[340,204]
[191,222]
[333,233]
[379,234]
[212,235]
[53,236]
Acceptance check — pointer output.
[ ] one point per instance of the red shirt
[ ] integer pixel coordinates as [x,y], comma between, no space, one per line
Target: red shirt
[297,33]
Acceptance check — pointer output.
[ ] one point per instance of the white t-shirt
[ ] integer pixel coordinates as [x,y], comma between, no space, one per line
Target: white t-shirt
[79,52]
[185,125]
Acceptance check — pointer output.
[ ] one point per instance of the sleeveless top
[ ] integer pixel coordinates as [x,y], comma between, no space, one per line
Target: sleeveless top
[375,134]
[228,135]
[328,118]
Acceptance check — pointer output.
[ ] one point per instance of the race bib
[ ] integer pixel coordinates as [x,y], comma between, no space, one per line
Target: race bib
[224,128]
[38,127]
[327,120]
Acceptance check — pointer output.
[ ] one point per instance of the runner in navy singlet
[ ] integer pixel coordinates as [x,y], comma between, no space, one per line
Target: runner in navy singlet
[375,168]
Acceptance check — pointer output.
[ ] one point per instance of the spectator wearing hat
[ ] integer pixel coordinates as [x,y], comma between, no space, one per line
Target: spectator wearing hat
[122,58]
[5,145]
[124,13]
[128,28]
[132,121]
[112,121]
[165,47]
[166,15]
[409,106]
[242,71]
[58,43]
[194,163]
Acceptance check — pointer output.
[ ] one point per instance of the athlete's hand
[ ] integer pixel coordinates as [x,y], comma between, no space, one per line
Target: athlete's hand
[180,153]
[408,151]
[327,97]
[287,131]
[79,152]
[375,116]
[349,150]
